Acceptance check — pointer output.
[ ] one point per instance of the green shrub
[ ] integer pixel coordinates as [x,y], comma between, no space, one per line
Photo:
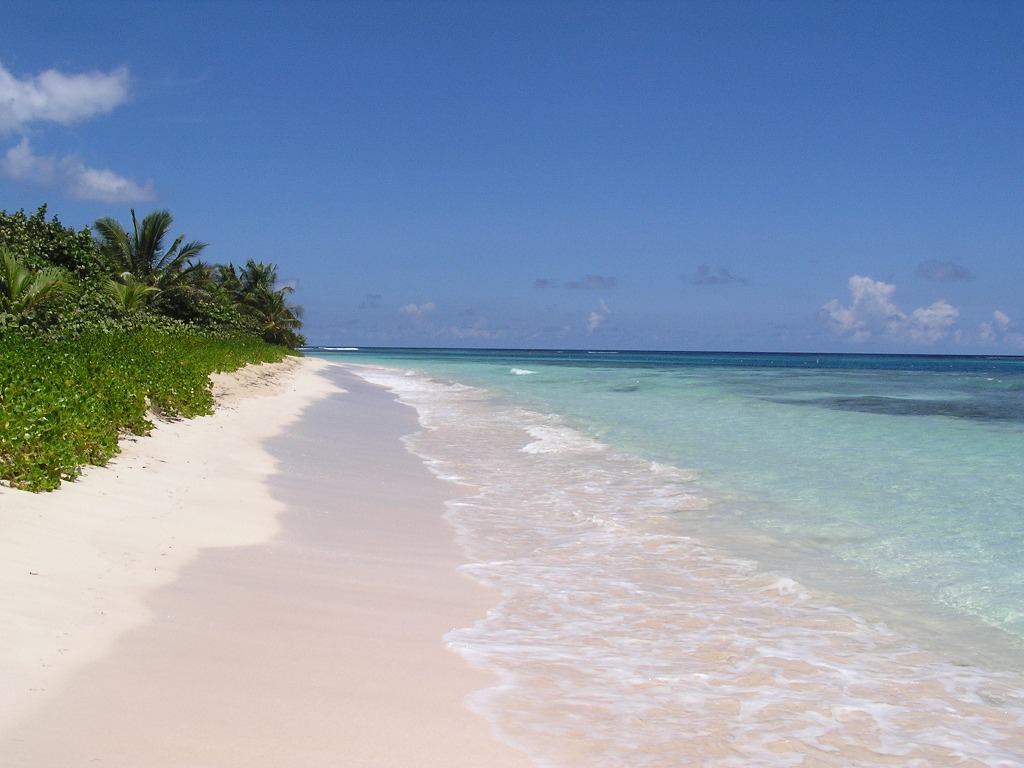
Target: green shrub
[66,401]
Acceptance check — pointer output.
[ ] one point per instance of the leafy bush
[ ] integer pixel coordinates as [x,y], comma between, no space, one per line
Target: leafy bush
[41,243]
[65,401]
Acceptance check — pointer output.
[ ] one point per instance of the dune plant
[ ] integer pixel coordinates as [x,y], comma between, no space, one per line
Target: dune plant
[65,402]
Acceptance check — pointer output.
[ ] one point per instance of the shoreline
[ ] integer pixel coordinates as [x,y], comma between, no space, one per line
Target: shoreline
[625,637]
[305,627]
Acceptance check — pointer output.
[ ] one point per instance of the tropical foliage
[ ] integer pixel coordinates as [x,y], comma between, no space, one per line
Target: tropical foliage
[66,402]
[129,293]
[277,321]
[22,290]
[142,253]
[99,328]
[265,305]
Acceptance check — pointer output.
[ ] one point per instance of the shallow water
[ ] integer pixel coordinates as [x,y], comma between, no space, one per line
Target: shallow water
[726,565]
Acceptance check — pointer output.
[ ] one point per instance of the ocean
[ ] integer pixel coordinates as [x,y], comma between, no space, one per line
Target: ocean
[735,559]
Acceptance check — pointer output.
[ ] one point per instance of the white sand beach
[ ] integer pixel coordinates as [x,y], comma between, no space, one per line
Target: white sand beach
[266,586]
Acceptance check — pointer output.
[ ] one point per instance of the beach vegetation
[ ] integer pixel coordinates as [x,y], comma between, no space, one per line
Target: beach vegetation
[66,401]
[264,303]
[174,272]
[142,253]
[257,276]
[23,290]
[129,293]
[277,320]
[104,330]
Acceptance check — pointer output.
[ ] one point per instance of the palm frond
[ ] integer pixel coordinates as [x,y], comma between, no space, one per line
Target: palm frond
[22,290]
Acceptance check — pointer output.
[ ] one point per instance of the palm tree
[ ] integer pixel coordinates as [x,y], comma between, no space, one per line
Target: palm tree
[129,294]
[225,277]
[254,288]
[277,320]
[22,290]
[142,251]
[256,276]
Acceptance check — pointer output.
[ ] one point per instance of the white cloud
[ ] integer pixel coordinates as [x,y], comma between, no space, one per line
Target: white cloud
[61,98]
[872,312]
[21,164]
[56,97]
[870,309]
[418,310]
[73,176]
[598,316]
[932,324]
[1002,329]
[106,186]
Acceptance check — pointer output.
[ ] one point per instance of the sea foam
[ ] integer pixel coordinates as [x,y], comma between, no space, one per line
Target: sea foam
[621,640]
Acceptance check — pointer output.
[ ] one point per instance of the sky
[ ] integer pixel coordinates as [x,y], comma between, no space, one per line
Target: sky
[756,176]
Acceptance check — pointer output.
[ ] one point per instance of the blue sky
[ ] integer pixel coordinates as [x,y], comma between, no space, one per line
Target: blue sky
[776,176]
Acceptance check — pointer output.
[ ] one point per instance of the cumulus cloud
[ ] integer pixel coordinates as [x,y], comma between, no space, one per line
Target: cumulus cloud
[106,186]
[541,283]
[21,164]
[872,312]
[56,97]
[1002,329]
[721,276]
[933,323]
[598,316]
[418,310]
[62,98]
[592,283]
[943,271]
[73,176]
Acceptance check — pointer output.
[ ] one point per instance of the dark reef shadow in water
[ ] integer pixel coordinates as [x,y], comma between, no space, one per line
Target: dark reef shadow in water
[999,410]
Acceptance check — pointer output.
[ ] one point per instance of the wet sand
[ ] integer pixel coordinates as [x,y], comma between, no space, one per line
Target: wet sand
[313,638]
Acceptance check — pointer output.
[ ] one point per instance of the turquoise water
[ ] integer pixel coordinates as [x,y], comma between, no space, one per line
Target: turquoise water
[687,543]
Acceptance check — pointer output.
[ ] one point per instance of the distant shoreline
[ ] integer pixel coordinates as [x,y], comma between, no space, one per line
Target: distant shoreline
[744,357]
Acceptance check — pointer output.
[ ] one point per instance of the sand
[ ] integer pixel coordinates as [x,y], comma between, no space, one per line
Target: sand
[266,586]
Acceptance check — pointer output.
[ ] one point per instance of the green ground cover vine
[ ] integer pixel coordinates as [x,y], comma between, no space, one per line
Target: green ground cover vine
[65,403]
